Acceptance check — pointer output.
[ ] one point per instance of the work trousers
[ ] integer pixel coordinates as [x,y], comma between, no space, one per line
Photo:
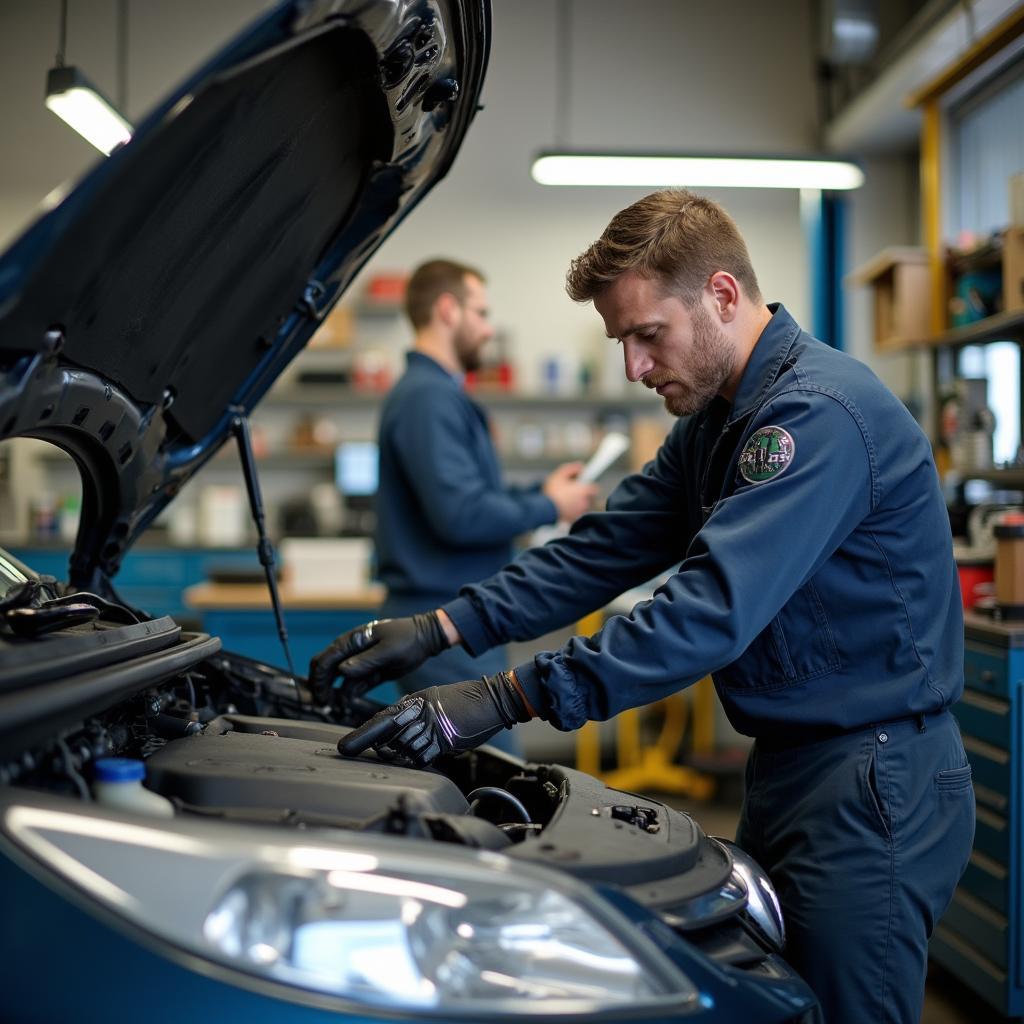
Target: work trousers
[865,836]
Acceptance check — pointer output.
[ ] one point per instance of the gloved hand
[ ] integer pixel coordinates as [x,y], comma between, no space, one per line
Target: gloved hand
[440,720]
[374,652]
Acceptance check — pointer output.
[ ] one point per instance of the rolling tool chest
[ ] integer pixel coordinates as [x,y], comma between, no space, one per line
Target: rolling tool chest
[979,939]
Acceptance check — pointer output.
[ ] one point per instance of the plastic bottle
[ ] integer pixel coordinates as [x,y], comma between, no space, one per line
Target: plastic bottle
[118,785]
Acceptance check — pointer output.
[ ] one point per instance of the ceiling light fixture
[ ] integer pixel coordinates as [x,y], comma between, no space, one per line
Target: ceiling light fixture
[75,100]
[564,166]
[664,170]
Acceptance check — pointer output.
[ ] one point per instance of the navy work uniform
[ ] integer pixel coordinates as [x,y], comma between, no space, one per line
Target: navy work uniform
[444,517]
[817,585]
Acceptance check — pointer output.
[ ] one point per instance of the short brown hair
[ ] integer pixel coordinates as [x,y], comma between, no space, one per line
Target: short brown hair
[673,235]
[429,282]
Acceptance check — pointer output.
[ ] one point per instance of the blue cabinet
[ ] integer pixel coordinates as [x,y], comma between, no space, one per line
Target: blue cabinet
[979,939]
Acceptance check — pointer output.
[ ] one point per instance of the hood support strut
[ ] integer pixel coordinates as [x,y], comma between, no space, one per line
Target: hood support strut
[265,550]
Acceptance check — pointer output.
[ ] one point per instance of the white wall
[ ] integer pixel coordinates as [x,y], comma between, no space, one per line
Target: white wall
[655,74]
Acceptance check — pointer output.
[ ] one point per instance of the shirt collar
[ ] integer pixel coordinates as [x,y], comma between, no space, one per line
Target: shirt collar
[766,359]
[422,360]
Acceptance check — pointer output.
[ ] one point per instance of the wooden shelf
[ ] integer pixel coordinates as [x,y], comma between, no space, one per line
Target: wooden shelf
[888,259]
[255,595]
[1001,327]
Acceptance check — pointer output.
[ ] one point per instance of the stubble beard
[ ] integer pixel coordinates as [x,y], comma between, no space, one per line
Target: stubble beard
[713,362]
[468,354]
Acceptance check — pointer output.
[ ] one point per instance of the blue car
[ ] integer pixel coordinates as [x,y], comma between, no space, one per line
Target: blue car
[179,838]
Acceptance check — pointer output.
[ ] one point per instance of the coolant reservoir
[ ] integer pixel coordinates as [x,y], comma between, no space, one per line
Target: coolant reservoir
[118,785]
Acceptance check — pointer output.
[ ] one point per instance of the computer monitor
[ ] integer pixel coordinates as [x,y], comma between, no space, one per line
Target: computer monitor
[355,476]
[356,469]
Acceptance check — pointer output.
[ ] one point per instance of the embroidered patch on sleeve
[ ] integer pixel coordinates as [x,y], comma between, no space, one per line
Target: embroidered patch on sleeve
[766,454]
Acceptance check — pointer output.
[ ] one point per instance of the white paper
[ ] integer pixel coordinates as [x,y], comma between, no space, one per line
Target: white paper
[611,447]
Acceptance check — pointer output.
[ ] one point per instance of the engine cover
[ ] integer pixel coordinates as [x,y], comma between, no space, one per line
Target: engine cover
[276,777]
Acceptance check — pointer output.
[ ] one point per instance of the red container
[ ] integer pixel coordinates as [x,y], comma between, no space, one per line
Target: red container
[973,571]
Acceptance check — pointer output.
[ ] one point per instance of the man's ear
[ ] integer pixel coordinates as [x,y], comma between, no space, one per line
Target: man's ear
[447,309]
[724,292]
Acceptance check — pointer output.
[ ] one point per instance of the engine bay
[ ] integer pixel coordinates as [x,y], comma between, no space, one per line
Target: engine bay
[235,740]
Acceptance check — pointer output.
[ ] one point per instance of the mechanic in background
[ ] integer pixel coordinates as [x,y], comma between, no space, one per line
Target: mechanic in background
[444,517]
[816,584]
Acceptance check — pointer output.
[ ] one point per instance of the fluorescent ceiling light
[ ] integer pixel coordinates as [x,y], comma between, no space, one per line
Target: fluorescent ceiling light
[694,171]
[74,99]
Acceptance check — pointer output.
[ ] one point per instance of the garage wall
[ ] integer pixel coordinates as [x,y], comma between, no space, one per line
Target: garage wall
[656,74]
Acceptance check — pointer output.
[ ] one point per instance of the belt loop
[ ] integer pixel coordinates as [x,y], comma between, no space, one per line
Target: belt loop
[921,727]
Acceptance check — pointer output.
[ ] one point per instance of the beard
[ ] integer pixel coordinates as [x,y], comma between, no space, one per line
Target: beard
[713,360]
[468,353]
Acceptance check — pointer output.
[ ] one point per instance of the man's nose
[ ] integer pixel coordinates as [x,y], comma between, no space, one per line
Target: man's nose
[638,362]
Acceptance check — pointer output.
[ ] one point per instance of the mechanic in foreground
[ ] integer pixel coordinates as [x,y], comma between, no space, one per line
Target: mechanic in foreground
[816,584]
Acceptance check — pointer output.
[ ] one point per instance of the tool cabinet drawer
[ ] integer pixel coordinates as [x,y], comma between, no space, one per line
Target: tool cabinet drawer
[990,764]
[986,880]
[978,924]
[991,834]
[986,672]
[984,716]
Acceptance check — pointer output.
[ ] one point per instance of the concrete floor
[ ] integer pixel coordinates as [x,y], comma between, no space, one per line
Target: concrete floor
[946,1000]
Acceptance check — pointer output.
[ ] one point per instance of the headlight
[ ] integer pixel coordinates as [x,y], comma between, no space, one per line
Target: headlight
[762,902]
[379,921]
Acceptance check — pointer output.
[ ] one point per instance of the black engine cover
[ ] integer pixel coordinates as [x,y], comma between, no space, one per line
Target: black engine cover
[251,775]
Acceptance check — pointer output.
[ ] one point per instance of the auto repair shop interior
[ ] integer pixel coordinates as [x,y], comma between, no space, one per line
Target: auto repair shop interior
[871,155]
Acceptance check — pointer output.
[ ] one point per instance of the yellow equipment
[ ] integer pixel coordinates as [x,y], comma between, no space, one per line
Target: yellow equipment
[652,768]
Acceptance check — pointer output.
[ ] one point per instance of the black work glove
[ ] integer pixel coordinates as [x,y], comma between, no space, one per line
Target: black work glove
[375,652]
[440,720]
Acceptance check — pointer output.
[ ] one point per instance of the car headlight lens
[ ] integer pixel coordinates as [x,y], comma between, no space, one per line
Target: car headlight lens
[763,906]
[374,921]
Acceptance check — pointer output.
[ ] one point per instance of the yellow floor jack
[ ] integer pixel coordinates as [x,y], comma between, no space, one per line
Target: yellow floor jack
[652,768]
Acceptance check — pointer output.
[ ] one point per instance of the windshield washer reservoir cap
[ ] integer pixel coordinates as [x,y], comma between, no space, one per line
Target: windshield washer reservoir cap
[119,769]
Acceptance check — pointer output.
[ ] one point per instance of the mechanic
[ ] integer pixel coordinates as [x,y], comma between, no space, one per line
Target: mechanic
[444,517]
[816,584]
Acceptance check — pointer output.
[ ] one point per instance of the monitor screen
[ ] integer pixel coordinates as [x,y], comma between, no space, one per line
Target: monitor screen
[355,468]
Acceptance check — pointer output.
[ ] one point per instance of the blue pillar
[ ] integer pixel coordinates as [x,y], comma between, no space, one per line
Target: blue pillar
[822,216]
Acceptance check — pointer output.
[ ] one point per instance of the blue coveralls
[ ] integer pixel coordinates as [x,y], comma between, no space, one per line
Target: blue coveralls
[444,517]
[817,586]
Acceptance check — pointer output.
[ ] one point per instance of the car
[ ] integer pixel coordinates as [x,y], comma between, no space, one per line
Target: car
[257,874]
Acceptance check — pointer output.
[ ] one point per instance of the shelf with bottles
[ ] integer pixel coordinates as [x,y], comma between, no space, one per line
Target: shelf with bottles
[341,395]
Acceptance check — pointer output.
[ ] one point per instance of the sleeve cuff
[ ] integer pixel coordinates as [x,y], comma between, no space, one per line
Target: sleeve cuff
[468,623]
[542,509]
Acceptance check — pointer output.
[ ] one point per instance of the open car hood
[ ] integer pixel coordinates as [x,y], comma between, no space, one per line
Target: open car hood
[163,295]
